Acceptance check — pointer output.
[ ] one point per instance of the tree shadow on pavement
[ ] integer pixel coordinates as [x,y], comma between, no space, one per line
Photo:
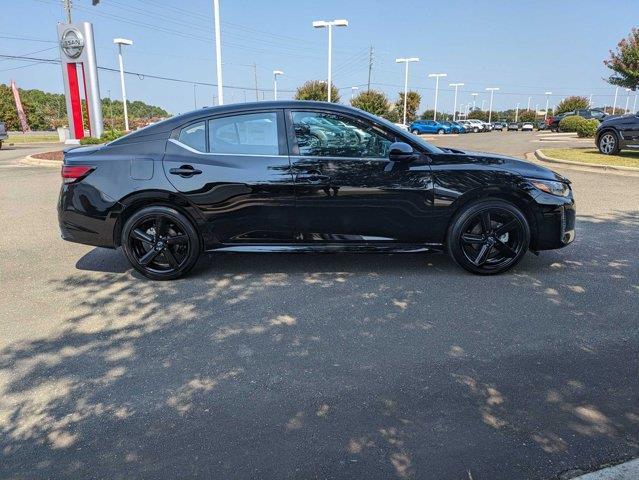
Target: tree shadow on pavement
[334,366]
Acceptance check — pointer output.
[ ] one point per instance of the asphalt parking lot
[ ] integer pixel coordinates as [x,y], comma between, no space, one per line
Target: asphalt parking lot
[319,366]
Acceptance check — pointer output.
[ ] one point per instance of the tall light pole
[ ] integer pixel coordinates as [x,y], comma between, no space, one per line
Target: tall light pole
[590,101]
[528,104]
[353,90]
[627,100]
[490,108]
[517,113]
[482,104]
[436,76]
[548,94]
[406,61]
[456,85]
[474,95]
[275,74]
[194,97]
[330,25]
[614,105]
[218,52]
[119,42]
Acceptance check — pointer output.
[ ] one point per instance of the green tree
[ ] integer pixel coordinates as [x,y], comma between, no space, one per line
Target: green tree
[412,105]
[527,116]
[479,115]
[570,104]
[316,90]
[624,62]
[373,102]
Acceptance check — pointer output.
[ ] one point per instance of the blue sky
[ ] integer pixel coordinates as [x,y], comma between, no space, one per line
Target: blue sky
[522,47]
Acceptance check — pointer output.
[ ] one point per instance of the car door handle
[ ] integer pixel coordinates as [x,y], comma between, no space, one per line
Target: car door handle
[313,178]
[185,171]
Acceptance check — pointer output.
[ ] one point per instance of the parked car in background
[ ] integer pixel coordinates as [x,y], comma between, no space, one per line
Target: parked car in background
[476,125]
[402,126]
[617,133]
[455,127]
[498,126]
[3,133]
[263,177]
[542,125]
[428,126]
[527,127]
[514,126]
[553,122]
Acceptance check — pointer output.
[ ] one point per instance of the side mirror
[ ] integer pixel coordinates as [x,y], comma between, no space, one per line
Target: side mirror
[401,152]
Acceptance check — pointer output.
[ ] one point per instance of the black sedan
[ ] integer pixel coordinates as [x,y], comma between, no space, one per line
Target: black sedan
[304,177]
[616,133]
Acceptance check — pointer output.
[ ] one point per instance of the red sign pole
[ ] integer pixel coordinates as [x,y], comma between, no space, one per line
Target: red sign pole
[76,104]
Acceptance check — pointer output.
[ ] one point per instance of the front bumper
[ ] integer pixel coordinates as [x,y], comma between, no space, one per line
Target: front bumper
[87,216]
[555,221]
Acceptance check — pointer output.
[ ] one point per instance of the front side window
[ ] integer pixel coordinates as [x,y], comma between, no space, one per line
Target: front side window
[194,136]
[329,135]
[253,133]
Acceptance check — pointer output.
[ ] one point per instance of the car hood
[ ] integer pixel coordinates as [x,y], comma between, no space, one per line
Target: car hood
[514,165]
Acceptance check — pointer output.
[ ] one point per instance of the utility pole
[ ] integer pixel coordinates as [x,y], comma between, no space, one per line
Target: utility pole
[492,90]
[370,67]
[257,97]
[455,106]
[68,4]
[194,97]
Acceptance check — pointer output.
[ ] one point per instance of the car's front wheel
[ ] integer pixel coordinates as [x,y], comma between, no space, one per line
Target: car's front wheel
[608,143]
[160,243]
[414,131]
[440,131]
[488,237]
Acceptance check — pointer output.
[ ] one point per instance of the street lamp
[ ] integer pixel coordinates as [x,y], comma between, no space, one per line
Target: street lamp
[455,106]
[474,95]
[528,104]
[353,90]
[275,74]
[482,104]
[548,94]
[614,105]
[330,25]
[490,108]
[517,113]
[119,42]
[627,100]
[437,77]
[218,52]
[406,61]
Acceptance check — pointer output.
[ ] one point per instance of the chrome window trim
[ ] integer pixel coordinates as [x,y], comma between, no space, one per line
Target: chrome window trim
[193,150]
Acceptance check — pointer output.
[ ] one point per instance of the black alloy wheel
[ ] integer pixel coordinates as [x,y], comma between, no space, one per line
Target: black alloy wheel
[489,237]
[160,243]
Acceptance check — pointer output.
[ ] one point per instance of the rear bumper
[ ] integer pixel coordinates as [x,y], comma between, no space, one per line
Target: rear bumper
[87,216]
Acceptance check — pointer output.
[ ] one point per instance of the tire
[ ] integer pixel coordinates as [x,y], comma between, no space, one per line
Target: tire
[414,131]
[475,130]
[440,131]
[488,237]
[608,143]
[160,243]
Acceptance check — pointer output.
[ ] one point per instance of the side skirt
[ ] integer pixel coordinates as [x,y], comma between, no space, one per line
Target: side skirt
[328,248]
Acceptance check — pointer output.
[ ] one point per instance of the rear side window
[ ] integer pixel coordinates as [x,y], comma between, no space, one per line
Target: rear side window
[253,134]
[194,136]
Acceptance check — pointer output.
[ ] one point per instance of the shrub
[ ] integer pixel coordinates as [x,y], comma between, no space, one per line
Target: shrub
[571,123]
[587,128]
[107,136]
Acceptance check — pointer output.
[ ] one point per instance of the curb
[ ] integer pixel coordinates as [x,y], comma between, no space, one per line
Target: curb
[597,166]
[624,471]
[39,162]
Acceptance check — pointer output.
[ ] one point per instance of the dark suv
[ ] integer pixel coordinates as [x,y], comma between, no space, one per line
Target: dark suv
[616,133]
[553,122]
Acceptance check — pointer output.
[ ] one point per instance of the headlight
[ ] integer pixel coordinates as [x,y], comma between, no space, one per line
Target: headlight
[554,188]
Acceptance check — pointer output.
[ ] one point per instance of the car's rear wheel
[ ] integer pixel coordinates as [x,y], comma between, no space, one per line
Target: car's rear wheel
[608,144]
[414,131]
[160,242]
[488,237]
[475,130]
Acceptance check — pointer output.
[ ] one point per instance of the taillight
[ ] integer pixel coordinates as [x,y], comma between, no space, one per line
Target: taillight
[73,173]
